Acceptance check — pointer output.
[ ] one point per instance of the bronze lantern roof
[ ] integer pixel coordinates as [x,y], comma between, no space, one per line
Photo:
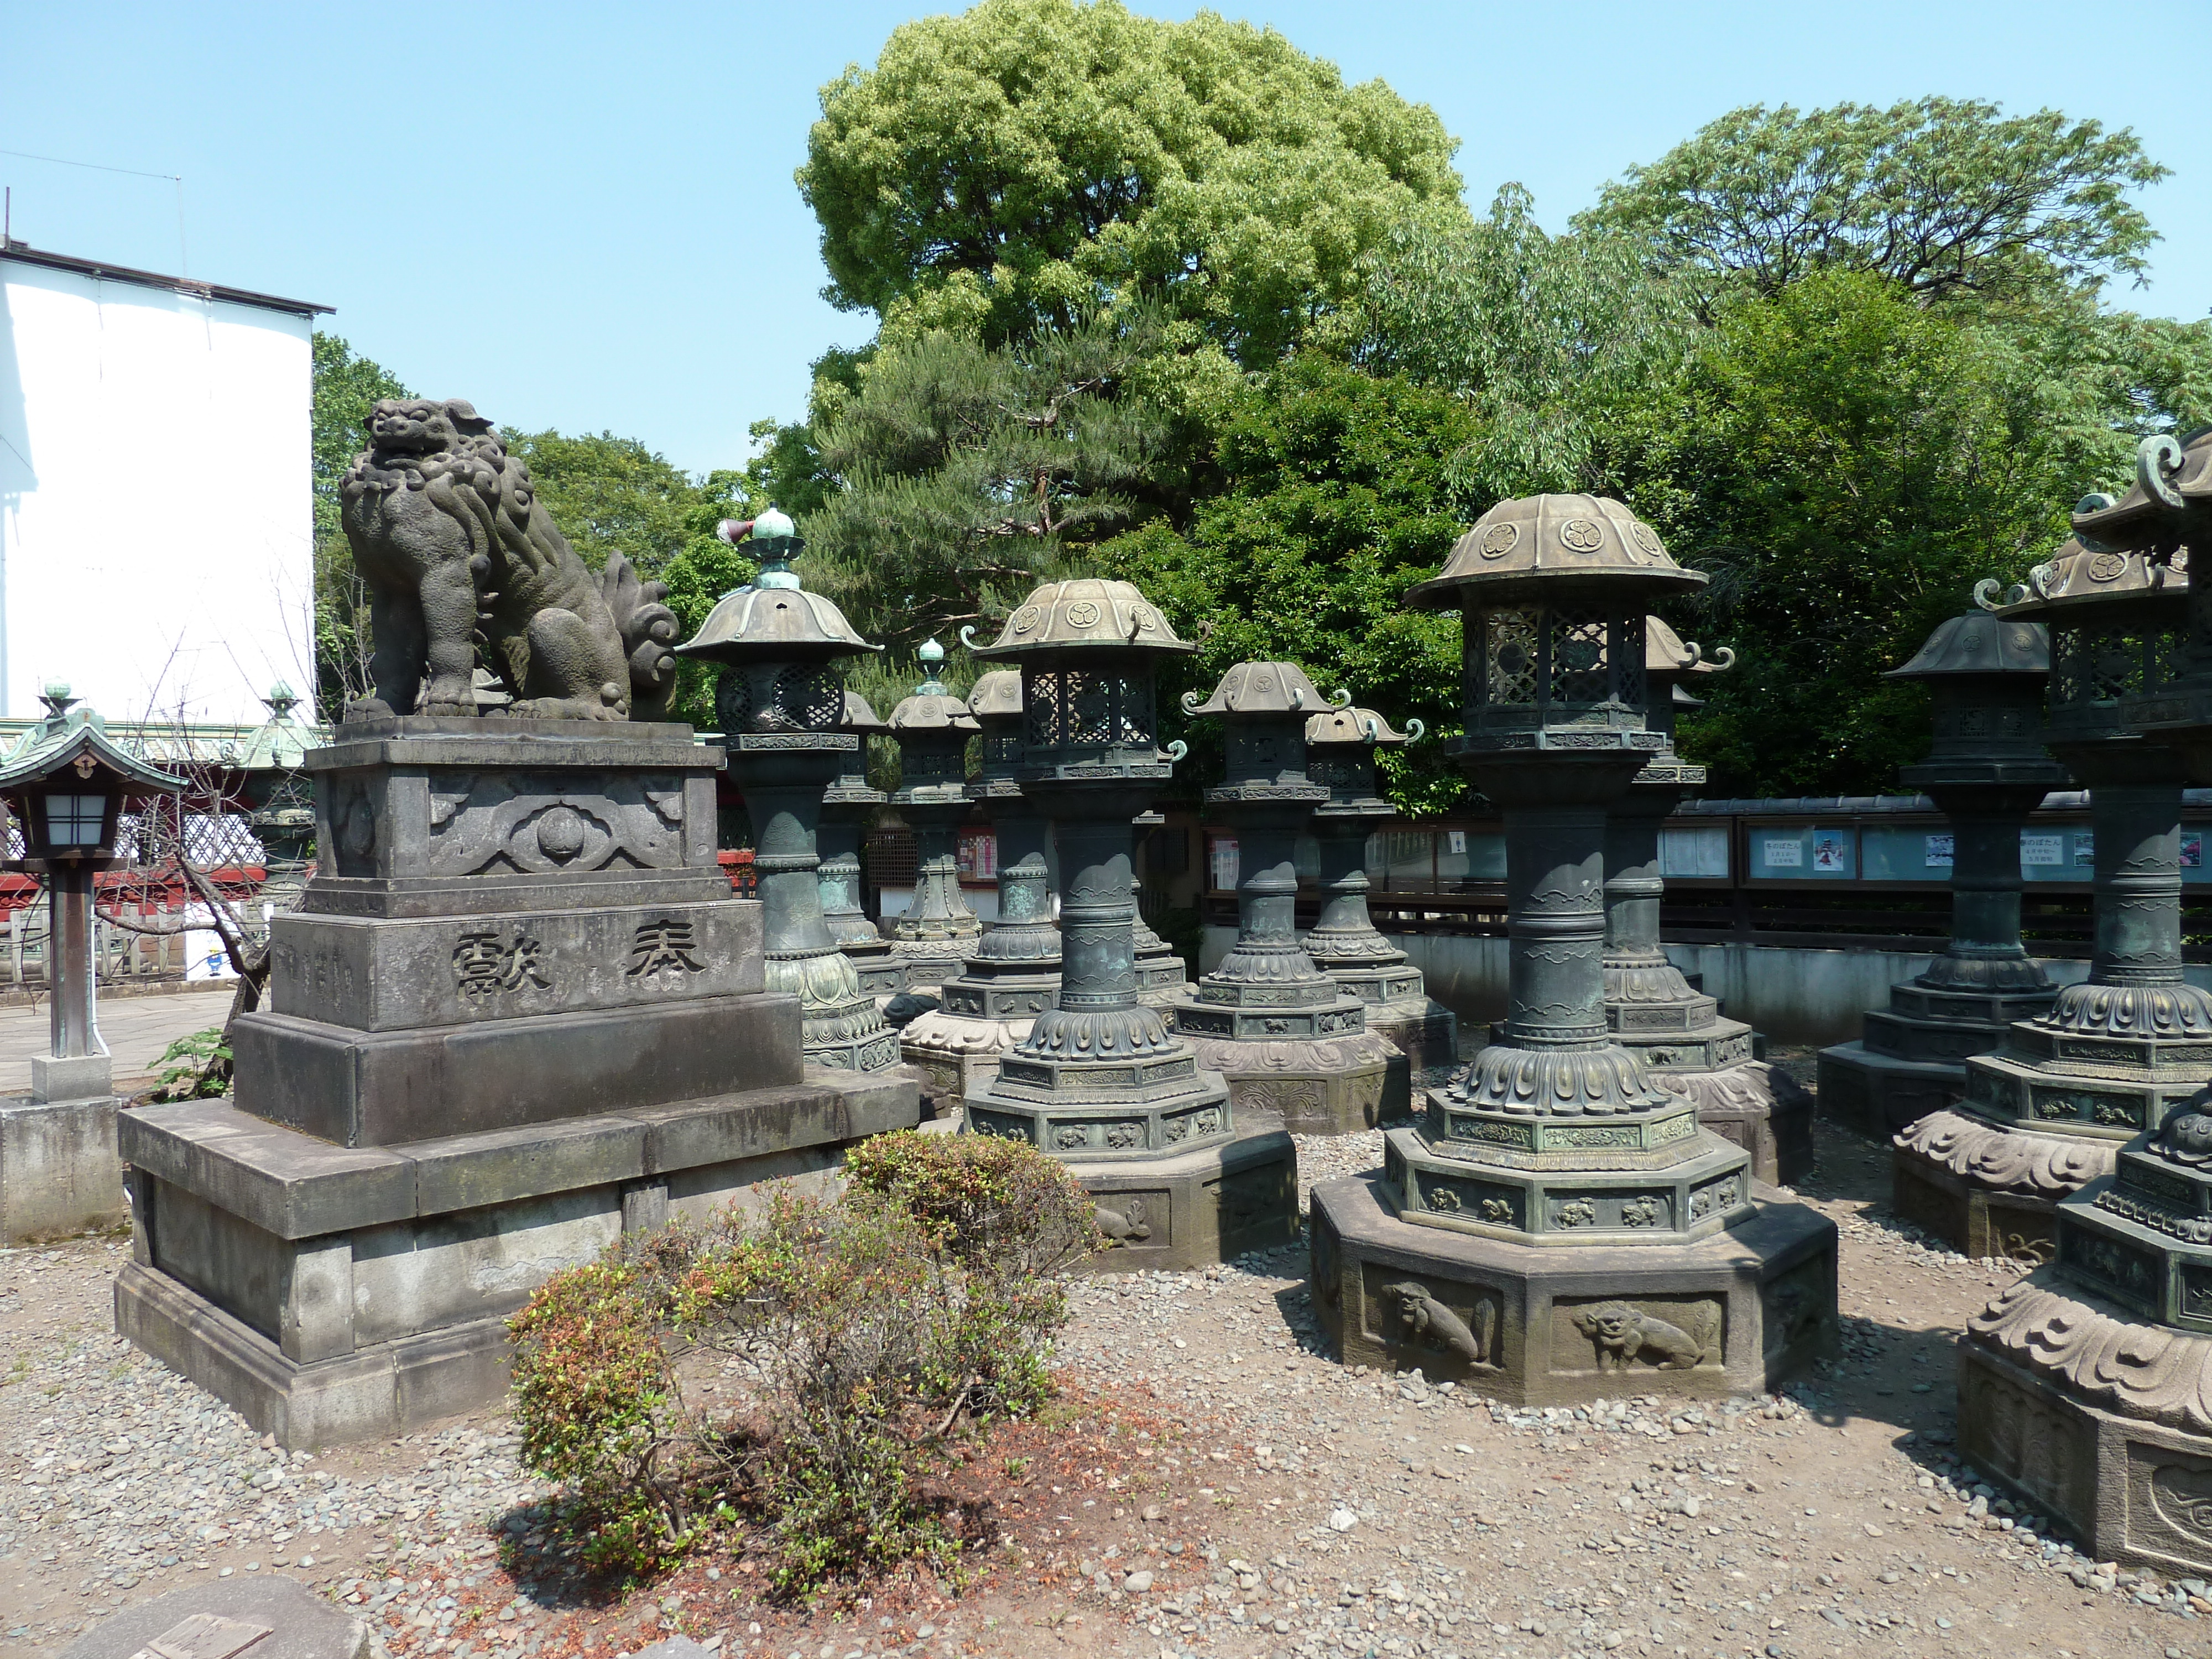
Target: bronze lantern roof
[997,694]
[1354,727]
[1979,642]
[1526,545]
[1084,613]
[1262,687]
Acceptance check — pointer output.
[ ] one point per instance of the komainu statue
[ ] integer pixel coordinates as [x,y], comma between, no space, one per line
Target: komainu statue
[447,531]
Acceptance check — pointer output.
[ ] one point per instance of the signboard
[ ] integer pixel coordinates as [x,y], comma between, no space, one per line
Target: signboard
[1780,854]
[2038,848]
[1938,856]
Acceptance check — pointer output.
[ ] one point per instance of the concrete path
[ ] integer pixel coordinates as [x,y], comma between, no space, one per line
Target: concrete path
[138,1030]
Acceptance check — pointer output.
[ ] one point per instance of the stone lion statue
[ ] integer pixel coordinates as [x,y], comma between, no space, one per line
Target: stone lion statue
[447,531]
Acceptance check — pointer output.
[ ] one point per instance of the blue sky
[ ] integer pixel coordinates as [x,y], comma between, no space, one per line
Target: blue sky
[583,216]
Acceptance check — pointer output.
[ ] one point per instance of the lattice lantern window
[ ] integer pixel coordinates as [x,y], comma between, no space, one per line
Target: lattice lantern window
[1536,665]
[1088,709]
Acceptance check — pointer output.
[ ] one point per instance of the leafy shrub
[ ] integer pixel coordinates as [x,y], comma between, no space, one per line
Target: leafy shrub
[196,1066]
[860,1330]
[599,1411]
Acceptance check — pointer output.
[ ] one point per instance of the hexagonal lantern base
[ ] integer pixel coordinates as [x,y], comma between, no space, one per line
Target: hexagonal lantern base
[1753,1105]
[1990,1189]
[1198,1208]
[1424,1030]
[1879,1095]
[2120,1452]
[1733,1312]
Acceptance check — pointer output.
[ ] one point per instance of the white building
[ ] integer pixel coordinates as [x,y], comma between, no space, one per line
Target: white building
[156,517]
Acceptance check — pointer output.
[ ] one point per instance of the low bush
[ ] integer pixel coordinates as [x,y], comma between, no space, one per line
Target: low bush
[845,1340]
[196,1066]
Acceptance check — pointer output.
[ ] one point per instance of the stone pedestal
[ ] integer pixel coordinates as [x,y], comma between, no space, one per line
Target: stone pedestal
[59,1175]
[518,1015]
[1737,1311]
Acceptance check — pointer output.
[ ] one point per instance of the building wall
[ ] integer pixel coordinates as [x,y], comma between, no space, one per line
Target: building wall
[155,514]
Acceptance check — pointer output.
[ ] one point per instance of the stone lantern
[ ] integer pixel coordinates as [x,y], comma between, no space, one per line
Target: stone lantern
[1557,1226]
[1288,1037]
[932,939]
[2107,1059]
[2084,1388]
[280,801]
[848,808]
[780,707]
[66,784]
[1650,1005]
[1987,771]
[1013,975]
[1101,1081]
[1341,745]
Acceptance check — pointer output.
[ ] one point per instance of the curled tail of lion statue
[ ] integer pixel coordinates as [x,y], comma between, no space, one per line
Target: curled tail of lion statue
[647,628]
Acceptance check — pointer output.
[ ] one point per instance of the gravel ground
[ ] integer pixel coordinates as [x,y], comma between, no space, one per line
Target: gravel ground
[1261,1500]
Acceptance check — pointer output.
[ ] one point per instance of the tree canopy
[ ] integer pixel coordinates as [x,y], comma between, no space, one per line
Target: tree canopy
[1019,165]
[344,390]
[1941,195]
[969,473]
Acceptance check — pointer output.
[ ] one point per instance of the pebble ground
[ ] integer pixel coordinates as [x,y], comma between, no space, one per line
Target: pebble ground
[1259,1499]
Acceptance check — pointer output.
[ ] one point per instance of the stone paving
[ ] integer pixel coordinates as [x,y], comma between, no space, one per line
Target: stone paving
[137,1028]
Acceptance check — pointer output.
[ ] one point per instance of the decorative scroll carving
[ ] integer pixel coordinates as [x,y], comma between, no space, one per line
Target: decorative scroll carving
[2152,1372]
[2007,1160]
[517,824]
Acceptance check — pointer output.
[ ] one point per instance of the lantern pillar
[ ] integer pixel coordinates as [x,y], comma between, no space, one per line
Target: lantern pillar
[1557,1225]
[1101,1081]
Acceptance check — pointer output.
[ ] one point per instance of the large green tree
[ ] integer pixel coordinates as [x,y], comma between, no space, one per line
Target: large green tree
[344,390]
[1847,463]
[1547,339]
[1942,195]
[1335,499]
[965,473]
[1017,166]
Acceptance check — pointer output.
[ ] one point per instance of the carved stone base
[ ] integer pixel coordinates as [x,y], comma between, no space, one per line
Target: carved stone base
[955,1054]
[332,1293]
[59,1175]
[1758,1107]
[1878,1095]
[1427,1032]
[1736,1312]
[1199,1208]
[1328,1086]
[1991,1190]
[925,964]
[2096,1418]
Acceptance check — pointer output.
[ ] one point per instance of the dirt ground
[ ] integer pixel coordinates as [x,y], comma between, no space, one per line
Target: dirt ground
[1214,1486]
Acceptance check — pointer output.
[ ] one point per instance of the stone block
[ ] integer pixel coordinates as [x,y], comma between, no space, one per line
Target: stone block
[301,1624]
[377,1089]
[427,817]
[59,1174]
[388,1309]
[1970,1219]
[1200,1207]
[1877,1095]
[275,1178]
[369,975]
[1337,1086]
[1737,1311]
[2134,1492]
[71,1076]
